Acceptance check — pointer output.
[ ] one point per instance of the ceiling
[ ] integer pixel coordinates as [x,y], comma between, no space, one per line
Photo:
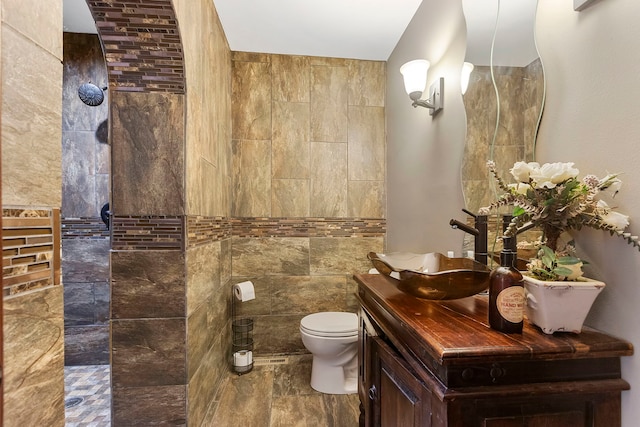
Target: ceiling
[77,18]
[358,29]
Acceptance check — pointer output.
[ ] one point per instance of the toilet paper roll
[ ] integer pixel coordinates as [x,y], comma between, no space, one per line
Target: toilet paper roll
[244,291]
[242,358]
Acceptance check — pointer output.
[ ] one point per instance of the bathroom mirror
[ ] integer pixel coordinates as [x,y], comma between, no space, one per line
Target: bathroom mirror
[505,94]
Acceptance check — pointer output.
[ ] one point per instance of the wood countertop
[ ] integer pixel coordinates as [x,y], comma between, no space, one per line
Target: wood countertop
[443,335]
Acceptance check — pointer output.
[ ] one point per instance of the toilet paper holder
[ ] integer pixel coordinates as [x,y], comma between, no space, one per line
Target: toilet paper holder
[242,331]
[242,344]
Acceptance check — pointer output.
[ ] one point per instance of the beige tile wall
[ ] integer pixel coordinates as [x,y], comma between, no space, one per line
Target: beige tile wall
[309,136]
[308,142]
[208,169]
[31,111]
[31,64]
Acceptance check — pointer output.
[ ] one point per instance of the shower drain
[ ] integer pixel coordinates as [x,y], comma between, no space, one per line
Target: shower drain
[72,401]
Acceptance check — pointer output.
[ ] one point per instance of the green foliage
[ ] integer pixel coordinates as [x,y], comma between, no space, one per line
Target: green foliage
[552,198]
[553,267]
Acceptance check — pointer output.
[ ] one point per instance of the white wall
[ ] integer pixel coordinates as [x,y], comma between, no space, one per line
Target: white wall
[592,117]
[424,154]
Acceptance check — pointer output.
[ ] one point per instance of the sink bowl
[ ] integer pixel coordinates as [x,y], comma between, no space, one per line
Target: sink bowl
[433,276]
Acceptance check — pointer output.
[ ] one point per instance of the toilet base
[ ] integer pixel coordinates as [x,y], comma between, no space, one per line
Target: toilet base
[330,379]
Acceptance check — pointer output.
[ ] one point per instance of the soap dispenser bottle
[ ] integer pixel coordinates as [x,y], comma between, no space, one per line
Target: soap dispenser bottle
[506,291]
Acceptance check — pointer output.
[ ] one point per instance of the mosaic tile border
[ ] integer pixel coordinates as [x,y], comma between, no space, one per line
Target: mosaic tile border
[141,44]
[30,249]
[168,232]
[308,227]
[202,230]
[147,232]
[84,228]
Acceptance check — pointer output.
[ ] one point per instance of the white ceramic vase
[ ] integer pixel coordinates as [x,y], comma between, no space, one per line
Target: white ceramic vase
[559,306]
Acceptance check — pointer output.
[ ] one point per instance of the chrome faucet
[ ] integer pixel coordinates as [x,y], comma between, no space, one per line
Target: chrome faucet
[479,234]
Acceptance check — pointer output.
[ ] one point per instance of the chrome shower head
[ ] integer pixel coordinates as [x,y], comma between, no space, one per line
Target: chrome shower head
[91,94]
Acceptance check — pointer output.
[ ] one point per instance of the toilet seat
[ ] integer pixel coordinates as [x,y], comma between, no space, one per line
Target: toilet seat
[330,324]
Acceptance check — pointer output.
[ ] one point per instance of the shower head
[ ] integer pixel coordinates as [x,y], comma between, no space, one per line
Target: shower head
[91,94]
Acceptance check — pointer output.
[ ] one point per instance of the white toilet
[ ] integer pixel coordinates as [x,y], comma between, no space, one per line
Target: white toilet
[332,339]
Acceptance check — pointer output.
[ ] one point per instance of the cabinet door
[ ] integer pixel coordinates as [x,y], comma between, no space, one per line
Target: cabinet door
[553,410]
[400,399]
[366,334]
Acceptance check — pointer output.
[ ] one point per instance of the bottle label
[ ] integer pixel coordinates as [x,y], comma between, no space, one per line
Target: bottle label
[510,304]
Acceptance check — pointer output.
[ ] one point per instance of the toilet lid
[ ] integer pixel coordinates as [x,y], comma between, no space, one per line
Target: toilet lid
[330,324]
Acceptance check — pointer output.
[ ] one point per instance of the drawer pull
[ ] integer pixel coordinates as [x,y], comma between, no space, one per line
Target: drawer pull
[373,393]
[496,372]
[468,374]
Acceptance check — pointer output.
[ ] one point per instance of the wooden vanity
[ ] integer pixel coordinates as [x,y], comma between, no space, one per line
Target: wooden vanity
[437,363]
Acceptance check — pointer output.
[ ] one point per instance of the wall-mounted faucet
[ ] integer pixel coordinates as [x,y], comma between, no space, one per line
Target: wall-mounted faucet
[479,234]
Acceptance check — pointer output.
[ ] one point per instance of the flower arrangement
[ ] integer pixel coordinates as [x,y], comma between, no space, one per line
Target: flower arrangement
[552,198]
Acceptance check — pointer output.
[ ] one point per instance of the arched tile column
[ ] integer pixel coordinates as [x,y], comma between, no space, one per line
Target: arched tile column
[143,52]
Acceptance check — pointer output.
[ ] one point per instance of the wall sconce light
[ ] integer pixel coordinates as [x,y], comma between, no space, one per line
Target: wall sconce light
[415,81]
[467,68]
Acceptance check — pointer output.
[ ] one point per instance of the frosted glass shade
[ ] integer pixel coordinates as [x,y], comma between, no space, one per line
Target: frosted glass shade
[415,75]
[467,68]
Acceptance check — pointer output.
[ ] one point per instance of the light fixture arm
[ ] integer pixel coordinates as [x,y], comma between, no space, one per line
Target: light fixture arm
[426,103]
[435,100]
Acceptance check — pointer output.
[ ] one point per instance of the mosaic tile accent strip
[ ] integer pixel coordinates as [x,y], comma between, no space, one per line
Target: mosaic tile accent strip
[147,232]
[84,228]
[92,384]
[141,43]
[30,249]
[202,230]
[309,227]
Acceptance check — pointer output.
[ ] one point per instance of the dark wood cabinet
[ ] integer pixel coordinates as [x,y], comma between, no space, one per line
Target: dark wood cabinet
[437,363]
[405,399]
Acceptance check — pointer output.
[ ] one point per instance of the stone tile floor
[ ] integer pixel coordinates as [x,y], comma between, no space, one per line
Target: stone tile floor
[280,396]
[271,395]
[93,385]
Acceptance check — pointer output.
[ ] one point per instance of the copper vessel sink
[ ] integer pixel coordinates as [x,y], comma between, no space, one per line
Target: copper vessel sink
[432,275]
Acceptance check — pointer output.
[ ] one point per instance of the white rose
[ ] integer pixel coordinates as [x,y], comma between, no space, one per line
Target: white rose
[521,171]
[616,220]
[551,174]
[611,182]
[520,188]
[615,186]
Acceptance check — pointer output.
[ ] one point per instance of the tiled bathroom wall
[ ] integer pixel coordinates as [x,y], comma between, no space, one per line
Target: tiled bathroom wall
[308,198]
[184,211]
[33,368]
[207,203]
[85,189]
